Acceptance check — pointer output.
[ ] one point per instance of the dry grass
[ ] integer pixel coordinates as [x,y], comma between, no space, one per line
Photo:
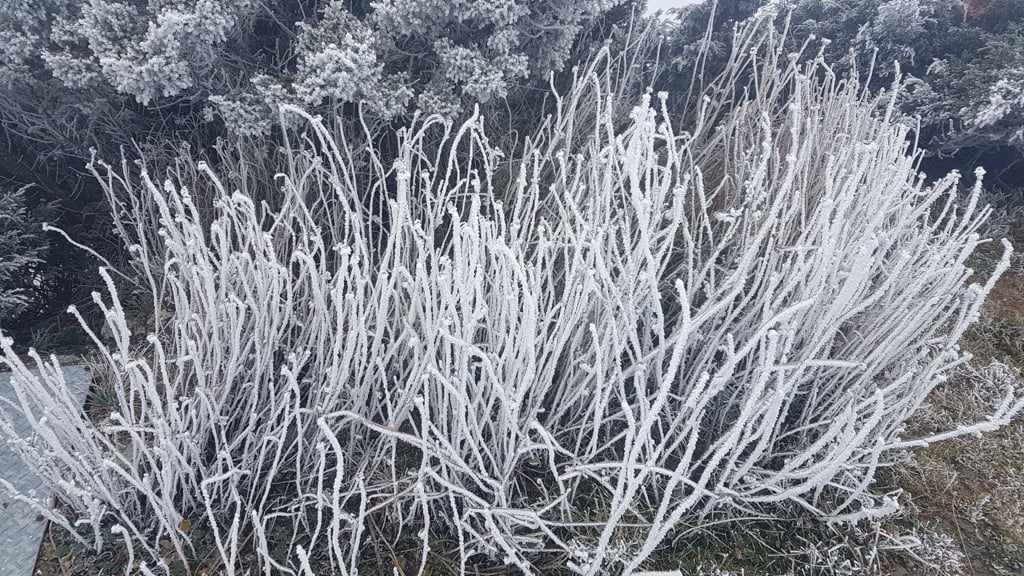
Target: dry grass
[972,488]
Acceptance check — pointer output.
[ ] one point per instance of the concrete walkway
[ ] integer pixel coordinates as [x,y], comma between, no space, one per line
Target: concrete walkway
[21,528]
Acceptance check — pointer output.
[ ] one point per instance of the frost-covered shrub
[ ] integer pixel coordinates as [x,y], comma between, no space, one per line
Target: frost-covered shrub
[82,74]
[386,53]
[578,351]
[21,249]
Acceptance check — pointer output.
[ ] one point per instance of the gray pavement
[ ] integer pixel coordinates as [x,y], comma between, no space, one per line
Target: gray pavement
[21,528]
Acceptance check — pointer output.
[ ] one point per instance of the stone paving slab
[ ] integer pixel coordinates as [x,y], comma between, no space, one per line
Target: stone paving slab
[21,528]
